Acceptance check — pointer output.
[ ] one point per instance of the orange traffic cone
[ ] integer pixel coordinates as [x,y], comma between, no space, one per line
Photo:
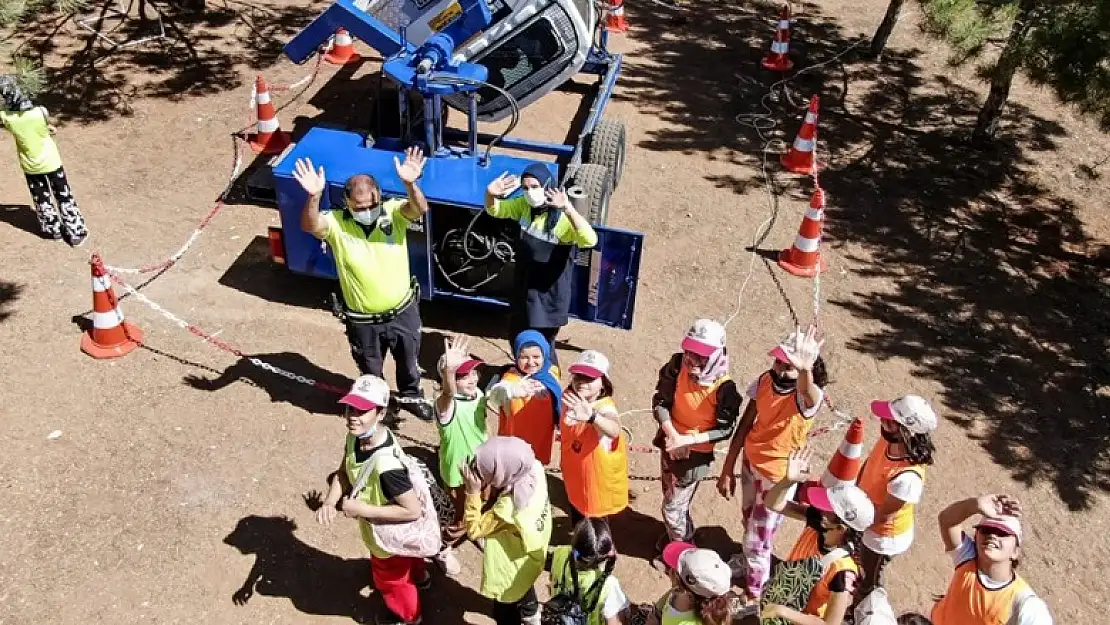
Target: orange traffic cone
[846,462]
[342,51]
[804,259]
[778,59]
[799,158]
[110,336]
[270,138]
[616,22]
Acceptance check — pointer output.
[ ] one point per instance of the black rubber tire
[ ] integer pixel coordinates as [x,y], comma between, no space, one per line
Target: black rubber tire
[598,185]
[606,146]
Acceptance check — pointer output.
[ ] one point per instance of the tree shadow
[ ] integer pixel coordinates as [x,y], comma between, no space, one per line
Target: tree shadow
[9,292]
[203,53]
[998,292]
[318,397]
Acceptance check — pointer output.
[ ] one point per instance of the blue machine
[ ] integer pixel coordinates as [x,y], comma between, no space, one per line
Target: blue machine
[457,251]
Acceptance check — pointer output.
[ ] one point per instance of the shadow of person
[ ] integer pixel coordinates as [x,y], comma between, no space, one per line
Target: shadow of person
[314,581]
[21,216]
[319,398]
[634,532]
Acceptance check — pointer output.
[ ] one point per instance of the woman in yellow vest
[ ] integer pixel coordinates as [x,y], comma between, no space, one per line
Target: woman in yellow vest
[985,588]
[528,398]
[783,402]
[696,404]
[387,496]
[592,554]
[594,450]
[837,516]
[893,477]
[41,164]
[515,522]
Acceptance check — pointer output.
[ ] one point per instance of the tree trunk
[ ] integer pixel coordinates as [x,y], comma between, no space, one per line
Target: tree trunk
[890,20]
[1002,76]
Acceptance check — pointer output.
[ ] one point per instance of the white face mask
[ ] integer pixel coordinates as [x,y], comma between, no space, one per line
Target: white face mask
[366,218]
[368,433]
[535,197]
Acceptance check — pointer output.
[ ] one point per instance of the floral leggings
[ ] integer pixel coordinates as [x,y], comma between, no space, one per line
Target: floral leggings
[71,222]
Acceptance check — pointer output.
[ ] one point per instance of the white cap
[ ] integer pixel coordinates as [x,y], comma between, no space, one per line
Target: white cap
[590,363]
[1008,524]
[875,609]
[367,393]
[701,570]
[852,506]
[911,411]
[704,338]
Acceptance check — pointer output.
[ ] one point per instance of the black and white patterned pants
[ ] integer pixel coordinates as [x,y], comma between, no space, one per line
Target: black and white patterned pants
[71,222]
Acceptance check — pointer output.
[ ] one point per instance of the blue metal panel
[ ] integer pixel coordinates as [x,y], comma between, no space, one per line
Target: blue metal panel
[515,143]
[605,284]
[359,23]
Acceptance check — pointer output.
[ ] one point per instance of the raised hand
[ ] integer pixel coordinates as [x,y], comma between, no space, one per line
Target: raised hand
[799,465]
[558,198]
[503,185]
[413,166]
[806,348]
[578,409]
[456,351]
[994,506]
[312,181]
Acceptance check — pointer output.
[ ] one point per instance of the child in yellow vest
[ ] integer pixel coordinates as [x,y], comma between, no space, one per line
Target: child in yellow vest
[837,515]
[41,164]
[782,403]
[893,477]
[696,404]
[985,587]
[700,585]
[594,449]
[592,554]
[515,522]
[387,497]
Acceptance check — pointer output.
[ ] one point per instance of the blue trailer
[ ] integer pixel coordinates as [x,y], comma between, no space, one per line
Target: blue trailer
[457,252]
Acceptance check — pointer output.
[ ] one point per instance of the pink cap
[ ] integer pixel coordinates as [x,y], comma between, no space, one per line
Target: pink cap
[673,551]
[591,364]
[779,354]
[704,338]
[367,393]
[467,367]
[1007,524]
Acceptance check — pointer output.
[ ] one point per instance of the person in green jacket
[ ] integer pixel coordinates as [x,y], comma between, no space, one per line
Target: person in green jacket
[592,554]
[41,164]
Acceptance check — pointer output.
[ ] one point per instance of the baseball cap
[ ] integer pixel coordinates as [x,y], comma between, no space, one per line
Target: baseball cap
[467,366]
[1008,524]
[848,502]
[911,411]
[590,363]
[367,393]
[875,609]
[701,570]
[785,349]
[704,338]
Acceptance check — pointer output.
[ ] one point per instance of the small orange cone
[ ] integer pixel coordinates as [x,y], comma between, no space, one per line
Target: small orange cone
[343,49]
[799,158]
[804,259]
[778,59]
[110,336]
[270,138]
[616,22]
[846,462]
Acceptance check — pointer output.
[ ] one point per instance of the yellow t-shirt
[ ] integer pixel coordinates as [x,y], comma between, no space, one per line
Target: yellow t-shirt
[563,232]
[372,493]
[373,271]
[38,154]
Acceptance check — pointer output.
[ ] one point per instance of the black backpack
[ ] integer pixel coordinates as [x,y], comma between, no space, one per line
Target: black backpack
[574,608]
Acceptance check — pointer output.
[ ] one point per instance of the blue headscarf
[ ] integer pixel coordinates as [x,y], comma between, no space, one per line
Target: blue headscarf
[530,338]
[542,174]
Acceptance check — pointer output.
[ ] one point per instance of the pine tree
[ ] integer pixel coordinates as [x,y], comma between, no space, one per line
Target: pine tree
[1064,44]
[13,13]
[886,28]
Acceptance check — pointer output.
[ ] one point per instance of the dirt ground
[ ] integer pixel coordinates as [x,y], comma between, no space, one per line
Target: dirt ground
[181,476]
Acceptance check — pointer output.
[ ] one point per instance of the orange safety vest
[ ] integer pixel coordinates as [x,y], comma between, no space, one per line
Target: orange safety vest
[969,602]
[779,428]
[596,477]
[876,474]
[529,420]
[806,546]
[695,407]
[819,596]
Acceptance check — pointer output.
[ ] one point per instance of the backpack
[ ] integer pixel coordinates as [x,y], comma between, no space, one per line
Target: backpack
[414,539]
[574,608]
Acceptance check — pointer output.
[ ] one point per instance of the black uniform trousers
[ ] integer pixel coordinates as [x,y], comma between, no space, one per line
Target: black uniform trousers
[401,337]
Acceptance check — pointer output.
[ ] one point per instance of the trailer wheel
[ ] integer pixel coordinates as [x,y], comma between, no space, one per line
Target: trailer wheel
[598,185]
[606,146]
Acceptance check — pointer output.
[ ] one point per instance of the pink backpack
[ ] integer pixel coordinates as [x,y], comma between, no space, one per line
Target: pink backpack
[414,539]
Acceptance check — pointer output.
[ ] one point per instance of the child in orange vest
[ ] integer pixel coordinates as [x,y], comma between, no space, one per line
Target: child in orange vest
[985,588]
[696,405]
[528,397]
[594,453]
[837,515]
[893,477]
[783,402]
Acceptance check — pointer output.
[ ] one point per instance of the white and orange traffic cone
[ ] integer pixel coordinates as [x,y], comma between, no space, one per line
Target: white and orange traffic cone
[799,158]
[110,336]
[616,22]
[804,259]
[846,462]
[270,139]
[342,50]
[778,59]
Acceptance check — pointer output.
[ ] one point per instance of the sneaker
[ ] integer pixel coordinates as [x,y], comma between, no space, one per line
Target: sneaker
[55,236]
[78,240]
[448,562]
[418,407]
